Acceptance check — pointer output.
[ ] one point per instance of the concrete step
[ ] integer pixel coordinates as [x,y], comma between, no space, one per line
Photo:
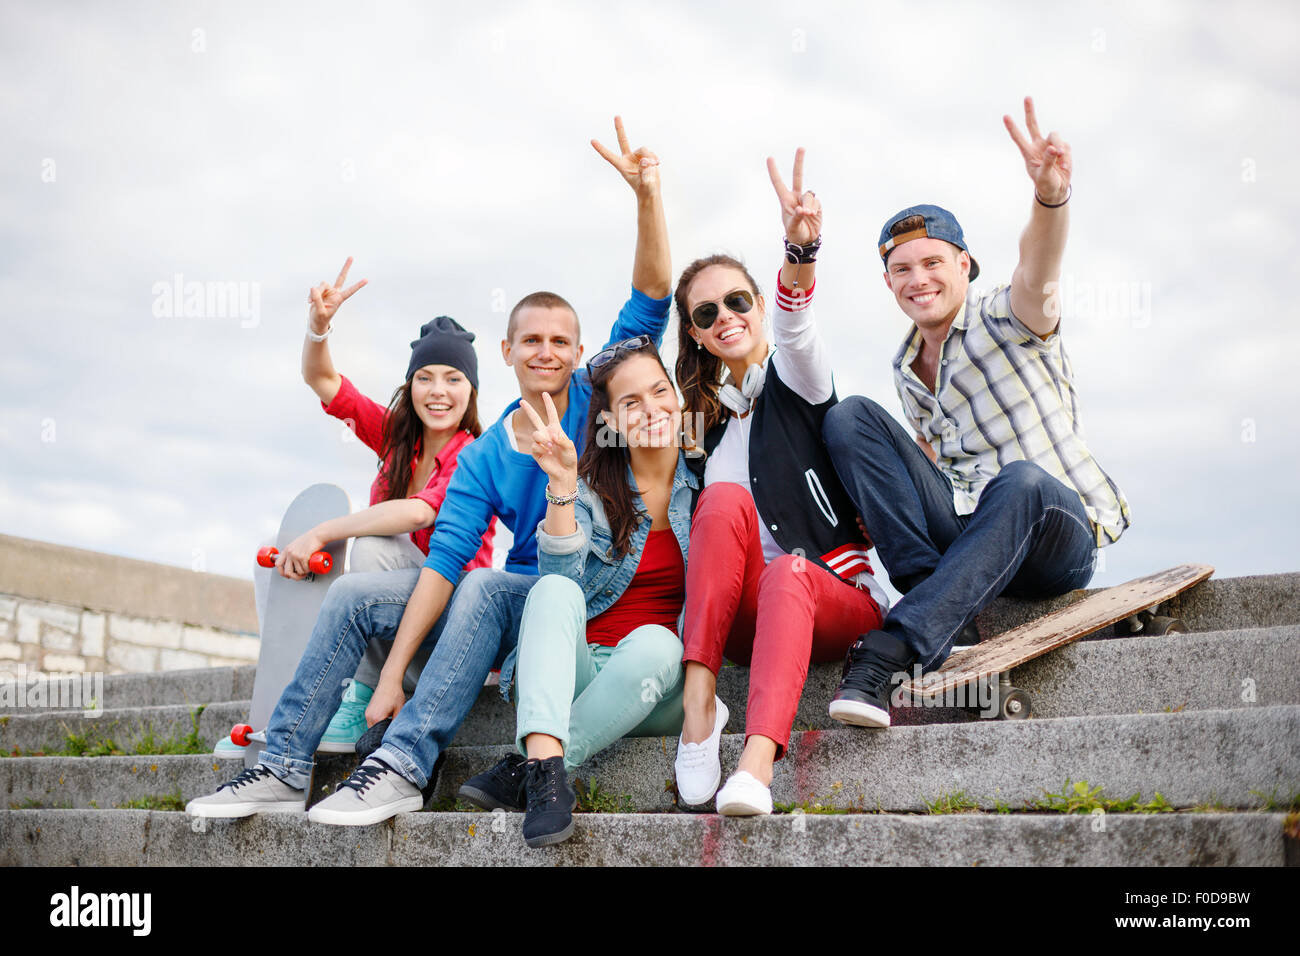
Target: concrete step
[133,690]
[1231,758]
[152,838]
[1192,757]
[1123,675]
[1219,604]
[1261,601]
[1206,671]
[126,728]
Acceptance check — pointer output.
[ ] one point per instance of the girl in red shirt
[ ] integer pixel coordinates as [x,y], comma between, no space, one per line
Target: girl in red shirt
[431,416]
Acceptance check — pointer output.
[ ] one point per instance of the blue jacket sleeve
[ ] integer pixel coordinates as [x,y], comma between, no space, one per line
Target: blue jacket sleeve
[641,315]
[464,515]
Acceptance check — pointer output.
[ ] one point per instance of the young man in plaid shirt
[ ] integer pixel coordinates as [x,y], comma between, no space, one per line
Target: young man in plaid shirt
[999,492]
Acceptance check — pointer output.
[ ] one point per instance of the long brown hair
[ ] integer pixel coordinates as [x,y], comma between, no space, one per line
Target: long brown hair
[403,434]
[699,371]
[604,462]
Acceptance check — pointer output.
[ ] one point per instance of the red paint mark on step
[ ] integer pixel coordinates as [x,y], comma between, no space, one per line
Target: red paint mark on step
[805,764]
[711,840]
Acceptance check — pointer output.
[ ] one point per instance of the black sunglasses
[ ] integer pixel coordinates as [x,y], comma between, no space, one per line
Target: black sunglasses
[605,356]
[706,313]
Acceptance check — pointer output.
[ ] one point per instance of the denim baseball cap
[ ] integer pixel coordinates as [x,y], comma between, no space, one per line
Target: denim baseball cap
[939,224]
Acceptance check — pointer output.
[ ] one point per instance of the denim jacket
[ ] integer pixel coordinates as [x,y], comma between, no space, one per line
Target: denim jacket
[588,557]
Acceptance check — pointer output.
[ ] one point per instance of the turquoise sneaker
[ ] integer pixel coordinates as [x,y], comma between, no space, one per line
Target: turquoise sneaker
[349,723]
[228,748]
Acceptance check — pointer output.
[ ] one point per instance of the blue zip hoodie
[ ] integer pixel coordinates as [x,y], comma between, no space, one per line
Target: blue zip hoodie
[492,478]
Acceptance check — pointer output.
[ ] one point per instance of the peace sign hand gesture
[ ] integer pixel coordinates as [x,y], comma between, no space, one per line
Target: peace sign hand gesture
[552,448]
[640,167]
[1047,159]
[325,299]
[801,212]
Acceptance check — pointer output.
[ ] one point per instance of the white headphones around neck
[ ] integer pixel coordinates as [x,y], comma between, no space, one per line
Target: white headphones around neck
[741,400]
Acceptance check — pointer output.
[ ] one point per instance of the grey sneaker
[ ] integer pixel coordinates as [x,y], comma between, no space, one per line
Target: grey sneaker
[253,791]
[373,793]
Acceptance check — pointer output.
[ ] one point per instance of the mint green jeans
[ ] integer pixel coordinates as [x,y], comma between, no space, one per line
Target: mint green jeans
[587,695]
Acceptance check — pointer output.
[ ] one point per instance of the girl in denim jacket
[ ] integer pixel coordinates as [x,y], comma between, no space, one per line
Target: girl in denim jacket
[599,651]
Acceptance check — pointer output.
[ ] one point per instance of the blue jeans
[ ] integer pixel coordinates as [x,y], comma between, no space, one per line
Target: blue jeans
[1029,535]
[482,628]
[358,608]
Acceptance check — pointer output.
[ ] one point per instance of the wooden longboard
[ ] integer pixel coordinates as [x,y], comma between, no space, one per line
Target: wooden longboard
[292,606]
[1000,654]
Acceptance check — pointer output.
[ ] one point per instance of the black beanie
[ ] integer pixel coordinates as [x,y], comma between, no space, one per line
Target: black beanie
[444,342]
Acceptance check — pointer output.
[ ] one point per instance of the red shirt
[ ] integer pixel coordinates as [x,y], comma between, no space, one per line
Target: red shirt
[654,596]
[366,419]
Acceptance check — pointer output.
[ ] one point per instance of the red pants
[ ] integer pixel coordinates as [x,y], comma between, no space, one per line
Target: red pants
[777,617]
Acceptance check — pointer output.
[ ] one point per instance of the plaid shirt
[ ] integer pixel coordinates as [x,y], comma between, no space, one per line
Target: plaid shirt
[1003,394]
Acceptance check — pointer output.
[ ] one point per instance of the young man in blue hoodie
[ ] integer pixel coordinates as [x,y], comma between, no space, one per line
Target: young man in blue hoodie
[478,625]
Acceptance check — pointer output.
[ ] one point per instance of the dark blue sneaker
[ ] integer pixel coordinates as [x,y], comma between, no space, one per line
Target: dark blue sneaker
[549,817]
[862,698]
[499,788]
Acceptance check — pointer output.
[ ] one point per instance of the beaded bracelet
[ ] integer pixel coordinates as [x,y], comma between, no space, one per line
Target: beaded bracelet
[560,499]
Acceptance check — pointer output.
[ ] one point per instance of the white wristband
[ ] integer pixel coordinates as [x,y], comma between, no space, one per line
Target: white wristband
[312,336]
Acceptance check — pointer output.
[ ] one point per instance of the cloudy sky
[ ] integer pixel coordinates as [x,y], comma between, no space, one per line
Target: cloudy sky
[445,147]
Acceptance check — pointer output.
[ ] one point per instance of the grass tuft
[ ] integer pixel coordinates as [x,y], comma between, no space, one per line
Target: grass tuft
[1080,797]
[592,799]
[166,801]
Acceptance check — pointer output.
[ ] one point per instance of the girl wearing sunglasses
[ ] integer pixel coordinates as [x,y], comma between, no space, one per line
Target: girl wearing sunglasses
[599,652]
[778,574]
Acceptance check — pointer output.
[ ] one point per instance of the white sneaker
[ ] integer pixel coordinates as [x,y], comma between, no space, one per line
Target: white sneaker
[697,768]
[373,793]
[744,796]
[254,791]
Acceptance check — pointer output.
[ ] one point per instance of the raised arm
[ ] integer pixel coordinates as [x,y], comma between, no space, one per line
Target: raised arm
[652,266]
[801,354]
[801,214]
[324,300]
[1042,244]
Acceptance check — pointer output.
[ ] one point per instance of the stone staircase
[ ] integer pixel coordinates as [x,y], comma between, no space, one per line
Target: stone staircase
[1209,720]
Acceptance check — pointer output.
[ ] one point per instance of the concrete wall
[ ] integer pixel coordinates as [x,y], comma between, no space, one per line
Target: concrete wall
[68,610]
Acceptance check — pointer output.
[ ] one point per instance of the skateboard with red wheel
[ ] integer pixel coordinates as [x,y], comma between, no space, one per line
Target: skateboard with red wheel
[320,562]
[291,609]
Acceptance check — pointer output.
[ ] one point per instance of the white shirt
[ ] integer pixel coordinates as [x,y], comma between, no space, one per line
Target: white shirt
[803,363]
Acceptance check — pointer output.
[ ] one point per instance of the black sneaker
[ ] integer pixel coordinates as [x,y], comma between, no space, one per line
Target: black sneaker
[500,788]
[373,738]
[968,636]
[549,818]
[862,698]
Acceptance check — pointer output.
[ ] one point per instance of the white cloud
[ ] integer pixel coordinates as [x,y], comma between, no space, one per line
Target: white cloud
[447,151]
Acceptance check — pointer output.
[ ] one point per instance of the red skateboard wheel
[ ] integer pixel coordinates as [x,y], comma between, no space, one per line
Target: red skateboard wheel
[239,734]
[320,562]
[266,556]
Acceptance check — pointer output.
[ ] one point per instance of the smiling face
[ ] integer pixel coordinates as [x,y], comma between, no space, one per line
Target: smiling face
[440,395]
[736,338]
[929,278]
[644,409]
[544,349]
